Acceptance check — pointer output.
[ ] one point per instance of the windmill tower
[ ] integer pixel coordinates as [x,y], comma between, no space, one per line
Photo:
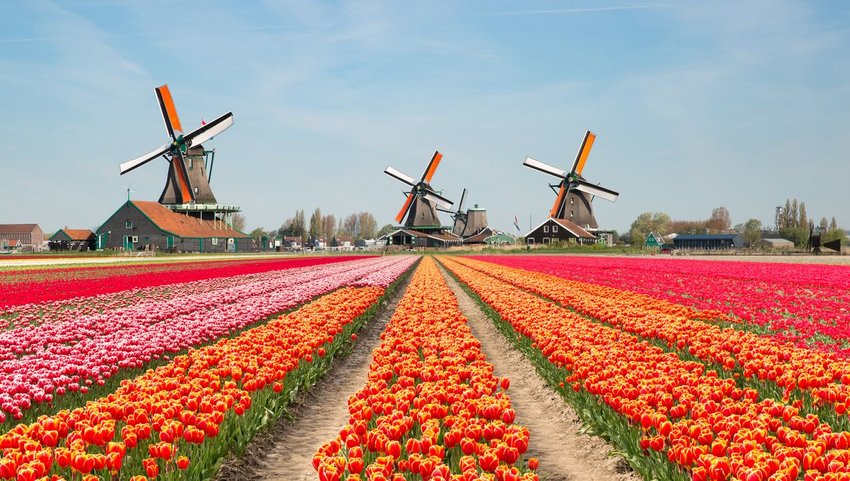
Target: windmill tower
[419,211]
[187,185]
[458,216]
[575,194]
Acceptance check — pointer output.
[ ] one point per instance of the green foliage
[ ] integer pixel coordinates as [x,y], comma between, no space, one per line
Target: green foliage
[647,222]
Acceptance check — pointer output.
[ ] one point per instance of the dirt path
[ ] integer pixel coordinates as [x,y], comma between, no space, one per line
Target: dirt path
[285,452]
[564,453]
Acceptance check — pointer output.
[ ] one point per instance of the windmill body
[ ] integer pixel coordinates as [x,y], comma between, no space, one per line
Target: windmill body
[195,164]
[574,194]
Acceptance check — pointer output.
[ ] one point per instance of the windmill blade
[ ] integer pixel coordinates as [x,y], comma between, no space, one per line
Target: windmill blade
[187,194]
[169,113]
[596,190]
[437,199]
[462,196]
[447,211]
[553,212]
[139,161]
[400,176]
[404,208]
[210,130]
[583,152]
[432,166]
[537,165]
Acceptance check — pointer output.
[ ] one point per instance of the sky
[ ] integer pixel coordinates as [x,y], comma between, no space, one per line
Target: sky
[695,104]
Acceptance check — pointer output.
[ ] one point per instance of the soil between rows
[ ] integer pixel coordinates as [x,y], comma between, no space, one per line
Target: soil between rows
[284,452]
[564,452]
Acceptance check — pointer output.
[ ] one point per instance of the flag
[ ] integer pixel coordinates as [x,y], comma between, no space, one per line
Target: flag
[203,122]
[516,223]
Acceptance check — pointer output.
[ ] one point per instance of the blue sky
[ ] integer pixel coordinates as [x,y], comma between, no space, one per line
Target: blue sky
[696,104]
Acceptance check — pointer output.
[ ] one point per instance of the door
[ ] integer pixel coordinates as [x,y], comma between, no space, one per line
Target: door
[169,242]
[200,245]
[128,243]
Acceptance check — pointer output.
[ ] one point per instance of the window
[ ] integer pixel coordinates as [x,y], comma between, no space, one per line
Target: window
[554,229]
[546,229]
[215,241]
[196,190]
[135,238]
[128,224]
[572,200]
[191,162]
[572,213]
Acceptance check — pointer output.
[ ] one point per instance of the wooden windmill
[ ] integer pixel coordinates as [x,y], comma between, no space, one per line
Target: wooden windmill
[422,200]
[574,193]
[189,172]
[458,216]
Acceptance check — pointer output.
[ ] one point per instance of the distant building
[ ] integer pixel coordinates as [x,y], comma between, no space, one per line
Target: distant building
[421,238]
[653,241]
[144,225]
[292,243]
[73,240]
[500,238]
[24,237]
[708,242]
[559,230]
[773,244]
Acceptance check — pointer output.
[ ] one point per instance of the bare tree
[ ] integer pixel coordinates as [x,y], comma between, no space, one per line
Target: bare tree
[328,227]
[368,225]
[720,220]
[350,226]
[316,223]
[238,222]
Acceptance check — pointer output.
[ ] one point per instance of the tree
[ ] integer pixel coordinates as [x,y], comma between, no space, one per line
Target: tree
[719,220]
[647,222]
[350,227]
[316,223]
[833,233]
[328,227]
[368,225]
[803,220]
[257,236]
[238,222]
[385,230]
[751,231]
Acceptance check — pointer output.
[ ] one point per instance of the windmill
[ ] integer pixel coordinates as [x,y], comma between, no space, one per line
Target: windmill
[188,173]
[422,199]
[574,193]
[458,216]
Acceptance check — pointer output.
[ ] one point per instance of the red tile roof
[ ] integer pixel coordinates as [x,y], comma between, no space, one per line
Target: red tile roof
[183,225]
[78,234]
[17,228]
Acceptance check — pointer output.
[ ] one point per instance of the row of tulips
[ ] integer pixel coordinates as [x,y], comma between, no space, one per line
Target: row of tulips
[820,376]
[58,283]
[704,425]
[431,408]
[29,315]
[177,421]
[53,360]
[807,304]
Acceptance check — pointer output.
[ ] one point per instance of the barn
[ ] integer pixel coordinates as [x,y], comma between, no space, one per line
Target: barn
[72,240]
[145,225]
[559,230]
[22,237]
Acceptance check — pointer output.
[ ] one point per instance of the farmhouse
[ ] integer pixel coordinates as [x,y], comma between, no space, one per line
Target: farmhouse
[140,225]
[554,230]
[72,239]
[24,237]
[421,238]
[774,244]
[708,242]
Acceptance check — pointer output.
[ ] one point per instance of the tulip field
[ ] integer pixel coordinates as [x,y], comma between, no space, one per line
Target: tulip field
[702,370]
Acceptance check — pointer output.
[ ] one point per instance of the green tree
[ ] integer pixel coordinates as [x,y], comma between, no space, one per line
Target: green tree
[385,230]
[751,231]
[647,222]
[257,236]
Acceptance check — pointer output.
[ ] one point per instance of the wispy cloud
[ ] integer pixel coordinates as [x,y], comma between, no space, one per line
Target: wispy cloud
[566,11]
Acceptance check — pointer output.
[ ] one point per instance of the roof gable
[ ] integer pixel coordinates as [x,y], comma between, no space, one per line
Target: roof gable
[76,234]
